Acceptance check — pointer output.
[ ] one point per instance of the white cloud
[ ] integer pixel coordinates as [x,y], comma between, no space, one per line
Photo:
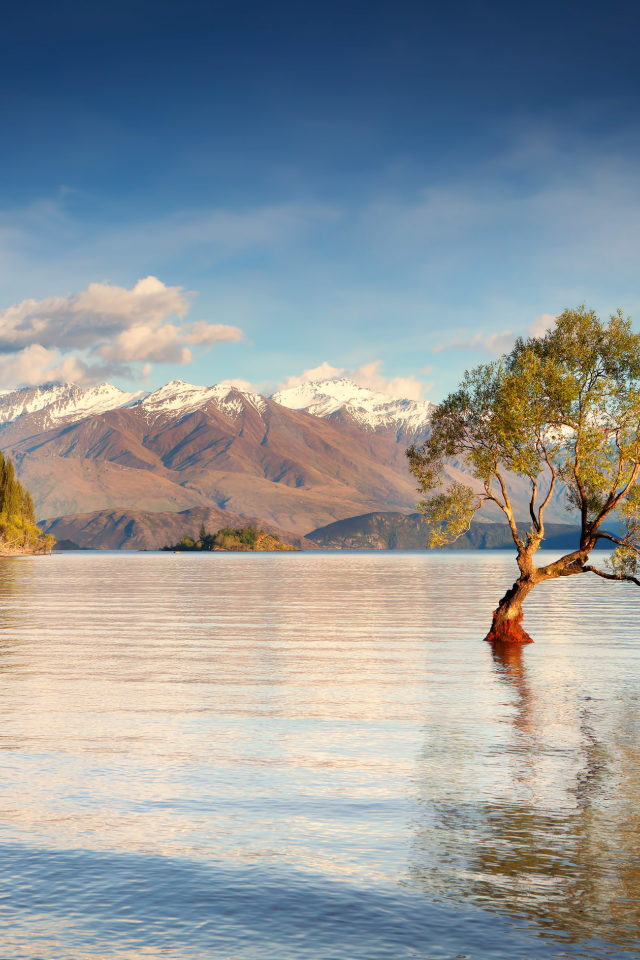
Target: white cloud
[37,364]
[118,325]
[240,384]
[206,334]
[145,342]
[93,315]
[216,234]
[539,326]
[323,372]
[369,375]
[497,343]
[578,227]
[235,231]
[28,366]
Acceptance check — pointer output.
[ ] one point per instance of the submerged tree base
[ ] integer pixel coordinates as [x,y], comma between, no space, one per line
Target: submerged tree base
[507,631]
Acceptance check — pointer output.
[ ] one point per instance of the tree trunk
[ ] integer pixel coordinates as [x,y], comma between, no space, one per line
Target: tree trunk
[507,619]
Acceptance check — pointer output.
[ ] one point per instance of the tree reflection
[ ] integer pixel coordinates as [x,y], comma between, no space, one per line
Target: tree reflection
[13,574]
[509,666]
[561,850]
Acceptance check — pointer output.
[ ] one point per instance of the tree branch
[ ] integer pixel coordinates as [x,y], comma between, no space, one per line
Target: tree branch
[583,497]
[489,495]
[621,543]
[613,501]
[532,505]
[508,510]
[610,576]
[542,506]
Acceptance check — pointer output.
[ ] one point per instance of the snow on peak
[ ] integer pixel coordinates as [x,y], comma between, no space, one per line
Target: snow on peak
[63,401]
[69,402]
[178,398]
[373,411]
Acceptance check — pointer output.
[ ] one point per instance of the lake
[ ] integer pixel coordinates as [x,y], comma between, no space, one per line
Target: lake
[314,755]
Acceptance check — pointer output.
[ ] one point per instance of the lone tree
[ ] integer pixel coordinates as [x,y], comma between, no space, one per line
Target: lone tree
[562,409]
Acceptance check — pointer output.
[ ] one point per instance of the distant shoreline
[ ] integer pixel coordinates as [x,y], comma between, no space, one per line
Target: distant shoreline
[25,553]
[131,530]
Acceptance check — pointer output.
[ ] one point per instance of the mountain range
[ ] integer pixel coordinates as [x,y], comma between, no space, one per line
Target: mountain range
[140,530]
[300,459]
[184,446]
[397,531]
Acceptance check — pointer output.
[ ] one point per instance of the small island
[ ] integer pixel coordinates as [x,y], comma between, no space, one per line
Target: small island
[19,533]
[229,539]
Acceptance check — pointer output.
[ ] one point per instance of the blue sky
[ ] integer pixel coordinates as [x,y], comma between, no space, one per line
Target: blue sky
[392,189]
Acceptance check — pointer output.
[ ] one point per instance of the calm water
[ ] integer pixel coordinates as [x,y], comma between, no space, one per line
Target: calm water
[314,756]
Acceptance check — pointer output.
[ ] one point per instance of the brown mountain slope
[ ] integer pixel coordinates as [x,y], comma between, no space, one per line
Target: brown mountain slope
[138,530]
[234,451]
[296,470]
[71,485]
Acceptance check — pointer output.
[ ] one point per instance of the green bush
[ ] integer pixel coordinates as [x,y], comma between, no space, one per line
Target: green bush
[230,539]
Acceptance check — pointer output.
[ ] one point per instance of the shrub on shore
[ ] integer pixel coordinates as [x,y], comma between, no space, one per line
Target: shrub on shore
[230,539]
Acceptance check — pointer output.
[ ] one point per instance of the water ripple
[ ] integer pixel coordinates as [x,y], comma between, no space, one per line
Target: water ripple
[314,755]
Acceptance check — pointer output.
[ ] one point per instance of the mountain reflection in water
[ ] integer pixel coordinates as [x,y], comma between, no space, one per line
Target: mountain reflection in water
[314,755]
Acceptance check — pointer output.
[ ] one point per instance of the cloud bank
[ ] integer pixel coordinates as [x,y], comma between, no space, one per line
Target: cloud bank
[497,343]
[101,331]
[369,375]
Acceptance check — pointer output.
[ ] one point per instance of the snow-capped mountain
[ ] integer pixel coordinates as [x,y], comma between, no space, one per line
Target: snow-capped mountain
[52,403]
[340,400]
[178,398]
[304,458]
[186,446]
[344,399]
[63,401]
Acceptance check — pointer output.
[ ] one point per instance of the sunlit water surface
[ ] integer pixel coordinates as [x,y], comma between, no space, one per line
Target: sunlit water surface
[314,756]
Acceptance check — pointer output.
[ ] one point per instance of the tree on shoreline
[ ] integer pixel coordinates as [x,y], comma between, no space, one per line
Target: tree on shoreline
[562,408]
[18,530]
[228,539]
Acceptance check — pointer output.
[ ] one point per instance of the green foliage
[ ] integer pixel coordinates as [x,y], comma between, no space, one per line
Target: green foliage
[450,514]
[624,562]
[18,530]
[565,406]
[629,515]
[230,539]
[589,380]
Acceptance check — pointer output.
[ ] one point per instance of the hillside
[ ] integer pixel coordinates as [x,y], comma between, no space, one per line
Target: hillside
[302,459]
[395,531]
[137,530]
[233,450]
[140,530]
